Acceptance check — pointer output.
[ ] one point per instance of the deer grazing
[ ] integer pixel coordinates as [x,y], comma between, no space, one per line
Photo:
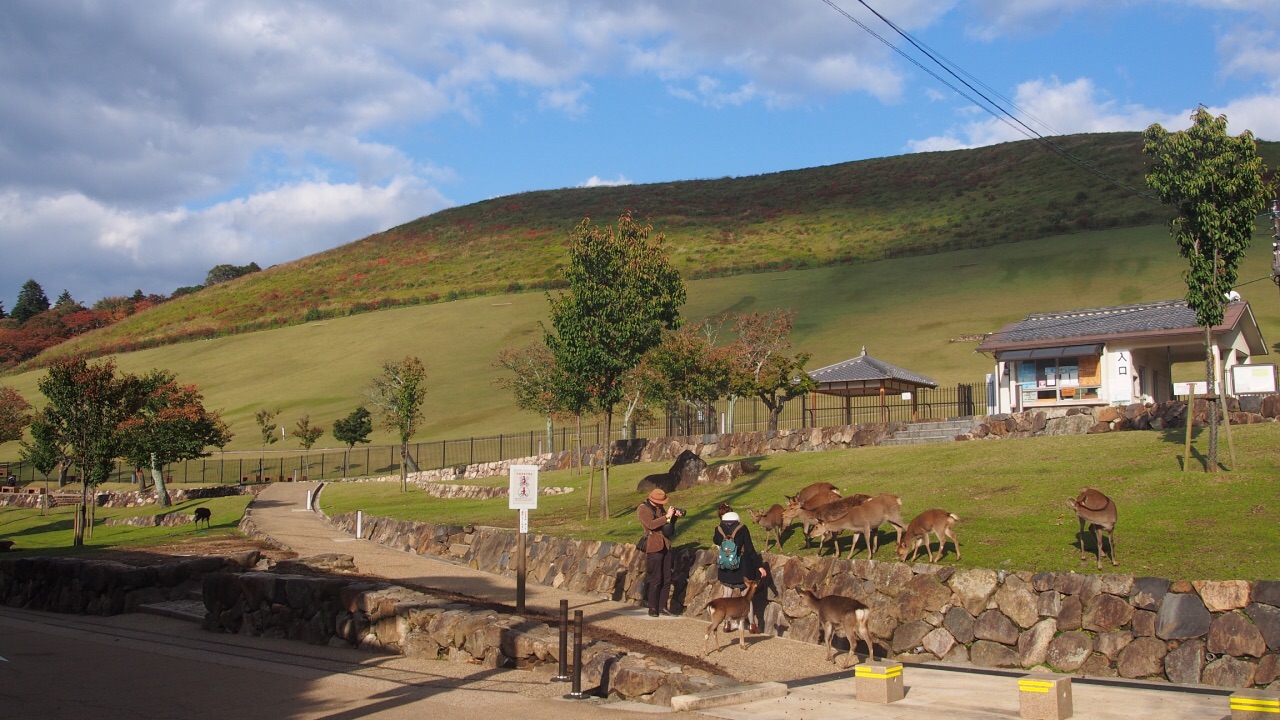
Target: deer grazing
[849,616]
[726,609]
[803,509]
[1099,512]
[939,522]
[834,510]
[771,522]
[202,514]
[865,520]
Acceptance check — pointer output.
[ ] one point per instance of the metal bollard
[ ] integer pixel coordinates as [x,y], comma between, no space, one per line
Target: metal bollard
[577,693]
[563,675]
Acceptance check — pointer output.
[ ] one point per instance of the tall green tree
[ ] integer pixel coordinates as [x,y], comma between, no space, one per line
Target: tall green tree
[31,302]
[764,366]
[397,395]
[307,435]
[1214,184]
[352,429]
[170,424]
[266,420]
[15,414]
[86,406]
[622,294]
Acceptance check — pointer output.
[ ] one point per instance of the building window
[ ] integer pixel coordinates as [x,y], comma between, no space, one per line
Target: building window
[1053,380]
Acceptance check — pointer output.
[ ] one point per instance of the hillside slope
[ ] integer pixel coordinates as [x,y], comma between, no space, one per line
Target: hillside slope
[849,213]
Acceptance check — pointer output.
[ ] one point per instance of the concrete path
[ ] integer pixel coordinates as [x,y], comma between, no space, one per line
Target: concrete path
[819,689]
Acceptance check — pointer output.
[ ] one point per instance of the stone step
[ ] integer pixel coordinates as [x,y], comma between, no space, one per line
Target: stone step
[190,610]
[931,431]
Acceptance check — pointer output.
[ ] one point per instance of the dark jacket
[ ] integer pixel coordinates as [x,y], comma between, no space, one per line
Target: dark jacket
[750,565]
[658,532]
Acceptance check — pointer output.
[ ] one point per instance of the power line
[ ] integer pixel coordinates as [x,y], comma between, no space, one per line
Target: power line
[992,107]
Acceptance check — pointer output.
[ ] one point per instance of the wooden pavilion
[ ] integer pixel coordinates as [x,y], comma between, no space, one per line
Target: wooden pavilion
[865,376]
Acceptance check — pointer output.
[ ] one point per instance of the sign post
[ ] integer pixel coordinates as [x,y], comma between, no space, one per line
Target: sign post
[523,496]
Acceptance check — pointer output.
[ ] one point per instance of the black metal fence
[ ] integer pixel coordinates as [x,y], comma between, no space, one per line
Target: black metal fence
[748,415]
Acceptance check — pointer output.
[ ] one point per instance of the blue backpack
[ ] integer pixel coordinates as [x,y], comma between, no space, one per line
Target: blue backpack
[730,557]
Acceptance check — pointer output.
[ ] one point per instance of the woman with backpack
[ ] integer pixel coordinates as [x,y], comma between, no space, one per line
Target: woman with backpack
[736,556]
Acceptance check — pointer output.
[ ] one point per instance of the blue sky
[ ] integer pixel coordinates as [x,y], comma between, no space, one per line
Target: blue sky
[142,143]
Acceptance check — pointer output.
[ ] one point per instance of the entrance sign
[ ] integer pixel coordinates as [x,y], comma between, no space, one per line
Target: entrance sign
[523,494]
[1188,388]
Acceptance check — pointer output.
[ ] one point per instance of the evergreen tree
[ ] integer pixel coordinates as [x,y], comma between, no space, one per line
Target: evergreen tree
[65,301]
[31,302]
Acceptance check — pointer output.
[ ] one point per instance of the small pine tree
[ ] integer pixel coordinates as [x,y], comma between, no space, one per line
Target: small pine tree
[31,302]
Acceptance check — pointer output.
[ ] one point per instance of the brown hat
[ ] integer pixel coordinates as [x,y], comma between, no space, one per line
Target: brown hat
[658,496]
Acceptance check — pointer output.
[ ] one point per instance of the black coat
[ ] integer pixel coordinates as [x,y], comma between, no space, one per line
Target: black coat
[750,565]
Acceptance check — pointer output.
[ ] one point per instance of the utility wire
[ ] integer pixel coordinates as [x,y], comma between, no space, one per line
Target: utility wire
[992,107]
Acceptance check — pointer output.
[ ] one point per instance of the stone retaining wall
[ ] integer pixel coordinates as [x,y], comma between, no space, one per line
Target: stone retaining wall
[1217,633]
[385,618]
[1075,420]
[100,587]
[160,520]
[480,492]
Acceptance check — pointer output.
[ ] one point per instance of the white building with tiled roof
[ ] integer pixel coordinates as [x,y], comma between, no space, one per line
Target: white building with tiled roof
[1112,355]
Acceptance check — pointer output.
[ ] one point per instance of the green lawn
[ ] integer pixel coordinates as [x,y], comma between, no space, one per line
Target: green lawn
[1011,496]
[36,534]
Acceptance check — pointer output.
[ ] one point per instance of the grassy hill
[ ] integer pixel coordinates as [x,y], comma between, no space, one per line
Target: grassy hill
[851,213]
[871,247]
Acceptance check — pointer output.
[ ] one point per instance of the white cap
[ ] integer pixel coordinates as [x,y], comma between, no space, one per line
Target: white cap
[731,516]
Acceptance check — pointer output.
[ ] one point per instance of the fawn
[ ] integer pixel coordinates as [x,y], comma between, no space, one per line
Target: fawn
[850,616]
[771,522]
[202,514]
[730,608]
[1099,512]
[939,522]
[865,520]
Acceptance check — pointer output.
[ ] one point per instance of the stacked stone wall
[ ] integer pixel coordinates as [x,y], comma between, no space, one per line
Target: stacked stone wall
[1224,633]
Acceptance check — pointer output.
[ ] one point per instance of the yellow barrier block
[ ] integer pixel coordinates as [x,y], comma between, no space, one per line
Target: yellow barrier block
[1255,705]
[878,682]
[1044,697]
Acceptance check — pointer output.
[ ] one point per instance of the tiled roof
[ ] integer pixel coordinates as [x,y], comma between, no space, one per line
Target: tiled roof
[1169,321]
[1121,319]
[865,368]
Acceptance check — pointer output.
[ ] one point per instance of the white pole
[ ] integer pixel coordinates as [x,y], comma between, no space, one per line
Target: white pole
[308,499]
[359,523]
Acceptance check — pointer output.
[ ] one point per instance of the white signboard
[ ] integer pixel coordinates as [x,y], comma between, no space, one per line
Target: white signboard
[523,494]
[1250,379]
[1186,388]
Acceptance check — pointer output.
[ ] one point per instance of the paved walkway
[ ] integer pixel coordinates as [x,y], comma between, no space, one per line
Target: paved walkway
[819,689]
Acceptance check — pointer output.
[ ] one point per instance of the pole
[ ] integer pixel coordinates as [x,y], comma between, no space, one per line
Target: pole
[576,692]
[520,559]
[359,523]
[1191,409]
[563,674]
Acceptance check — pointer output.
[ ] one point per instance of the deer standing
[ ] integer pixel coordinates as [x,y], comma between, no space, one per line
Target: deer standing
[1099,512]
[803,510]
[834,510]
[730,608]
[939,522]
[771,522]
[850,616]
[865,520]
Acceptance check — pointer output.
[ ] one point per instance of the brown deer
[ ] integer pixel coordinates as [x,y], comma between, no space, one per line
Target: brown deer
[850,616]
[865,520]
[725,609]
[833,510]
[1099,512]
[939,522]
[803,510]
[771,522]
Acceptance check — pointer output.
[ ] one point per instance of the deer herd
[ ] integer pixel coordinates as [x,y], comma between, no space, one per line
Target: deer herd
[824,513]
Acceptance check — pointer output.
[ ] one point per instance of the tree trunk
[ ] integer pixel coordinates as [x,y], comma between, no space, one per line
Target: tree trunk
[157,474]
[551,435]
[604,480]
[346,463]
[775,410]
[78,538]
[404,467]
[1211,381]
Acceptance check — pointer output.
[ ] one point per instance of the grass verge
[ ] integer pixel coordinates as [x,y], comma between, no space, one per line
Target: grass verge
[1011,496]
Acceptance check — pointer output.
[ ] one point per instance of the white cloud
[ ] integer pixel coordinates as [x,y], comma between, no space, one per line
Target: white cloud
[1050,107]
[596,181]
[101,248]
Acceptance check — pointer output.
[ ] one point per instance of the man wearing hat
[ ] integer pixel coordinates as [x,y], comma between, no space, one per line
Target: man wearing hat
[659,522]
